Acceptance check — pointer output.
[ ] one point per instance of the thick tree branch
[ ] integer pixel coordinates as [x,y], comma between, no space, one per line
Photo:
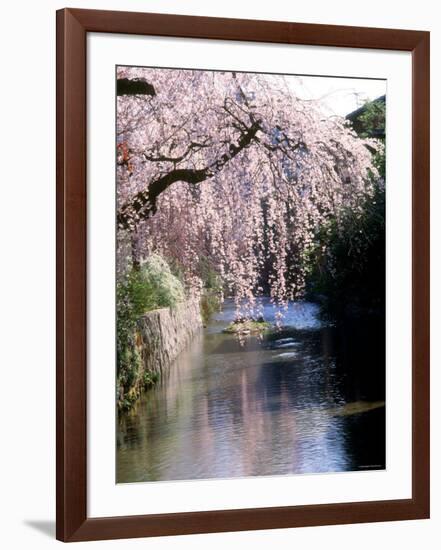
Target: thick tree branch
[143,203]
[134,86]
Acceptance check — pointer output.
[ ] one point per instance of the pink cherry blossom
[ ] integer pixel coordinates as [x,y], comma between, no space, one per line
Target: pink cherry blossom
[235,168]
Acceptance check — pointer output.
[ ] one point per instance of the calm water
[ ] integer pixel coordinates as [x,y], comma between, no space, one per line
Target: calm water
[305,400]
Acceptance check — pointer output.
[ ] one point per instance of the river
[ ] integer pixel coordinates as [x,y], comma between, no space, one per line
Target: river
[306,399]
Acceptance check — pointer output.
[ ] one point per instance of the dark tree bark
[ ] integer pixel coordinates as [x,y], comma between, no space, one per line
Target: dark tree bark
[134,86]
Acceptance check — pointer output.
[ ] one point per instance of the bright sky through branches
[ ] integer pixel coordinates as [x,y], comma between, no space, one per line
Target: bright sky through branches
[340,95]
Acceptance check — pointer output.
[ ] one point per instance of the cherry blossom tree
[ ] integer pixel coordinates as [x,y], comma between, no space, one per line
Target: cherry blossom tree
[235,168]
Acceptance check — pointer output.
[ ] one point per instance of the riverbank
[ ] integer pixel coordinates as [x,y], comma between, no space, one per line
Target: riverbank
[160,336]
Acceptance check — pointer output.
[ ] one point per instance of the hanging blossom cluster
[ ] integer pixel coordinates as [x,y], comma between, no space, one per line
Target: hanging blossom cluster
[233,168]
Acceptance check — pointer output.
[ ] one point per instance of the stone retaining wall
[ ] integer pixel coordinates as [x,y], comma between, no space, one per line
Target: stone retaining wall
[160,336]
[163,333]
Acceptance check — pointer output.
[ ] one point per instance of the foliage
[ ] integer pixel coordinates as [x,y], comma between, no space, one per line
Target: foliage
[129,364]
[209,303]
[372,119]
[348,260]
[166,289]
[212,289]
[150,378]
[370,123]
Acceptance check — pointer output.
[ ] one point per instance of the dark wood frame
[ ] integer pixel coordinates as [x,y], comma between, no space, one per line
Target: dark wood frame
[72,521]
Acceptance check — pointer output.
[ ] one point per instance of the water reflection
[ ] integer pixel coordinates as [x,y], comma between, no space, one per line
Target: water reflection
[283,405]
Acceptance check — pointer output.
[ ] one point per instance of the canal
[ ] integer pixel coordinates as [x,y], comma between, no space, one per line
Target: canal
[306,399]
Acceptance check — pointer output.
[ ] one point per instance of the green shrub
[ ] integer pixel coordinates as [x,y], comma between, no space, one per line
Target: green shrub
[210,303]
[212,288]
[166,289]
[347,262]
[350,269]
[150,378]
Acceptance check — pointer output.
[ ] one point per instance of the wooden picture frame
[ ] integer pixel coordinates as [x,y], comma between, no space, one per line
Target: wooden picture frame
[73,524]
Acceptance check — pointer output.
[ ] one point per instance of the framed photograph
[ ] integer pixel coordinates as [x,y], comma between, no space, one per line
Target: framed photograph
[242,274]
